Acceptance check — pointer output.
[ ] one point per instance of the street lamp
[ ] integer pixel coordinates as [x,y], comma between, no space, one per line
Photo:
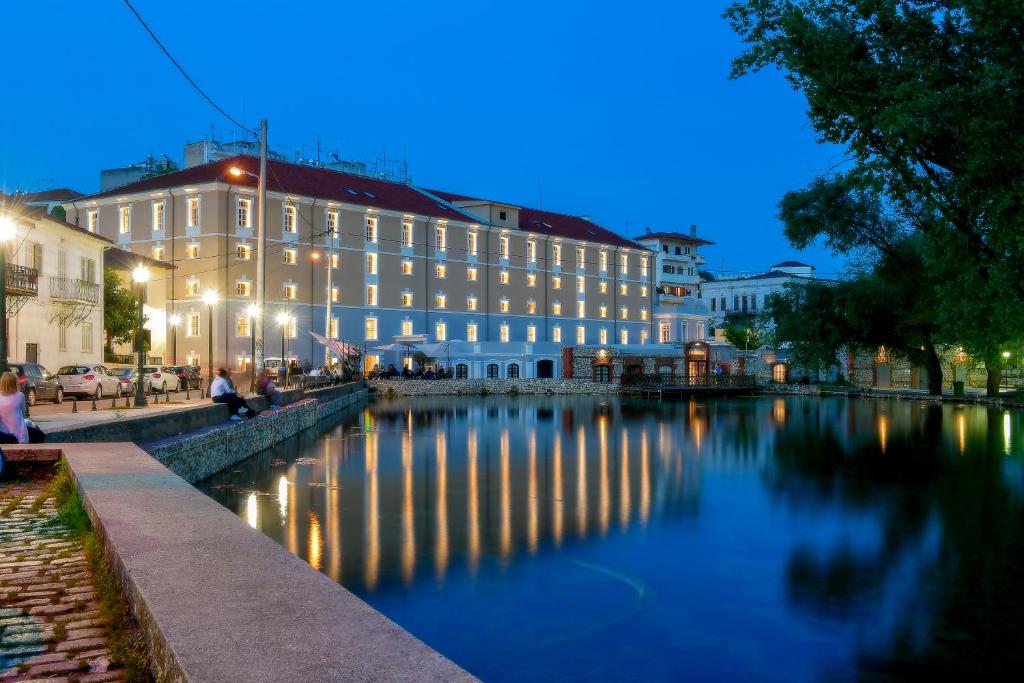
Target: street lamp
[7,230]
[1006,359]
[253,310]
[210,298]
[140,276]
[282,320]
[175,320]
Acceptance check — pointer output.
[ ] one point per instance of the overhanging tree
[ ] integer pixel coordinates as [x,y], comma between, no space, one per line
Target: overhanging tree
[120,310]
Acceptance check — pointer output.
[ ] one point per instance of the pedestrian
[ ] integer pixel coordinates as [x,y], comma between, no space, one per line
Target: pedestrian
[12,411]
[221,391]
[265,387]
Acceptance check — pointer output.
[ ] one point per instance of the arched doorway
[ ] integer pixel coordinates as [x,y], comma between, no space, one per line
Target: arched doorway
[696,358]
[545,369]
[512,371]
[461,371]
[779,373]
[602,373]
[492,371]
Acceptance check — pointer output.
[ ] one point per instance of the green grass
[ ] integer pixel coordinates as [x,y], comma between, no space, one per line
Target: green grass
[12,505]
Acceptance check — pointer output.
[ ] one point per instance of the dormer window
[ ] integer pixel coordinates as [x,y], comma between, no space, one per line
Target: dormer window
[503,215]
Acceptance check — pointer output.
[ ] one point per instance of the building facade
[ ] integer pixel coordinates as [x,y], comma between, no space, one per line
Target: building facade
[389,259]
[680,314]
[749,293]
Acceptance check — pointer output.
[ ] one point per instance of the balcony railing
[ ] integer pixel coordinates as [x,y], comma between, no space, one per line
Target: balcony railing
[709,381]
[22,280]
[71,289]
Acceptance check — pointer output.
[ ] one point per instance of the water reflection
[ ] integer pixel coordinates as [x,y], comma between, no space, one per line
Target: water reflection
[841,536]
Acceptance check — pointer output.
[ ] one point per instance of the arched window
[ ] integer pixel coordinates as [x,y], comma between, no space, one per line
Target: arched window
[602,373]
[779,373]
[492,371]
[461,371]
[512,371]
[545,369]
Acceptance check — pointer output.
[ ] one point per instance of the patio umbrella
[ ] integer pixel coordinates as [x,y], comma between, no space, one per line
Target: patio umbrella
[443,349]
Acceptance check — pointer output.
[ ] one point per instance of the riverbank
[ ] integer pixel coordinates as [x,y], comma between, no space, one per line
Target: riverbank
[469,387]
[896,394]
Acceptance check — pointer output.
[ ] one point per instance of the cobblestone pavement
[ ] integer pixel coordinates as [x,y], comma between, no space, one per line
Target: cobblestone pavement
[51,626]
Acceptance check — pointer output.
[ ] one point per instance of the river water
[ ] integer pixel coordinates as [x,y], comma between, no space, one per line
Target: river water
[546,538]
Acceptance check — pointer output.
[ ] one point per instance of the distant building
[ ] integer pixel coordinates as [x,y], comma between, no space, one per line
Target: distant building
[45,199]
[749,293]
[680,315]
[111,178]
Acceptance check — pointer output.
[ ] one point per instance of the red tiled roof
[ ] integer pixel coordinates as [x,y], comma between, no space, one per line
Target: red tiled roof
[682,237]
[555,224]
[305,181]
[57,194]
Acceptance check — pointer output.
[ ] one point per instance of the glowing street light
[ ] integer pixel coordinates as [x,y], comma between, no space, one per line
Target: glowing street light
[140,276]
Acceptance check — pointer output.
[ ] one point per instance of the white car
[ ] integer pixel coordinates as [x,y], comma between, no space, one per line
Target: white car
[158,378]
[88,380]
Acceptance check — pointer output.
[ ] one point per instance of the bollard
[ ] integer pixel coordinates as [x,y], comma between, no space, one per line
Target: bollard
[26,410]
[187,396]
[113,402]
[94,403]
[127,401]
[74,405]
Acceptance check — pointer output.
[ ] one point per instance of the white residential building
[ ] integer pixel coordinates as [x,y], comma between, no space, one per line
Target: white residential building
[680,314]
[749,293]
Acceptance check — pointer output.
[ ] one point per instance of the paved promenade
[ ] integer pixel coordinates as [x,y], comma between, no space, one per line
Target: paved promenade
[50,623]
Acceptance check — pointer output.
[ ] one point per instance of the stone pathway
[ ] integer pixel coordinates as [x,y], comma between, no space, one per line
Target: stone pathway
[51,626]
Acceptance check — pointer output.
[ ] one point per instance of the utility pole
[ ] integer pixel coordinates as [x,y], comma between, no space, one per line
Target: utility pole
[330,296]
[261,251]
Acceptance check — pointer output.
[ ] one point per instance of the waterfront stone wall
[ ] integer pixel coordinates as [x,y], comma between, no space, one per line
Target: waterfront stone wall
[442,387]
[198,455]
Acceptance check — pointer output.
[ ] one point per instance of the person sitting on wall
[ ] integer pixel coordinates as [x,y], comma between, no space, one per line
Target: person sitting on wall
[221,391]
[265,387]
[12,411]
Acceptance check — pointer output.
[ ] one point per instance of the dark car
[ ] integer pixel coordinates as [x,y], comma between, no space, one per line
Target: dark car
[188,376]
[37,383]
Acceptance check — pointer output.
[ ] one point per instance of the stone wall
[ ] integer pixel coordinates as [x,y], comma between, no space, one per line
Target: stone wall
[440,387]
[198,455]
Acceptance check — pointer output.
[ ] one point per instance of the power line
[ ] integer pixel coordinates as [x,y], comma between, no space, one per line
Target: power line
[182,69]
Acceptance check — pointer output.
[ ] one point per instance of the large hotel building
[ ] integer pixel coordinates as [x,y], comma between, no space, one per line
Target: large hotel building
[394,260]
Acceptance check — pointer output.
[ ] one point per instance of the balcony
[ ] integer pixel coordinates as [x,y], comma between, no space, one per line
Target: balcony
[74,291]
[22,281]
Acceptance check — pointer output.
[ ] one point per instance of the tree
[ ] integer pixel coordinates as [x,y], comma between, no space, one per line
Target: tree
[925,96]
[120,310]
[706,275]
[746,331]
[809,321]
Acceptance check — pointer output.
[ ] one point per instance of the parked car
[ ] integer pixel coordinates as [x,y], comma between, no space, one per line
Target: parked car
[188,376]
[37,383]
[127,380]
[157,378]
[88,380]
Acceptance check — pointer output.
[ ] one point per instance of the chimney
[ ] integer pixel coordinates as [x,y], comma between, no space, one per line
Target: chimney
[693,230]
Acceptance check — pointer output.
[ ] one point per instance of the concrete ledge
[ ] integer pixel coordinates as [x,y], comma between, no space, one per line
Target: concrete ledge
[219,601]
[445,387]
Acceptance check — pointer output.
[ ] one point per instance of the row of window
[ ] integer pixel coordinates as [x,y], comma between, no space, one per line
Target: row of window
[679,251]
[678,270]
[746,303]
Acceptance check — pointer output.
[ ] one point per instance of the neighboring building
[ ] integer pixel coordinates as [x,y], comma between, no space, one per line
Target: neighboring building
[401,261]
[749,293]
[148,167]
[54,289]
[679,313]
[45,199]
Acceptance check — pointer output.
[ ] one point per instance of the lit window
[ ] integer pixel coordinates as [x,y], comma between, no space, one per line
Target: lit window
[125,219]
[556,282]
[290,290]
[335,260]
[643,336]
[243,288]
[602,336]
[244,252]
[332,223]
[602,311]
[624,313]
[531,333]
[665,333]
[503,305]
[643,314]
[556,254]
[556,308]
[93,220]
[604,260]
[406,328]
[158,216]
[158,253]
[472,242]
[643,266]
[242,326]
[335,295]
[623,289]
[581,284]
[503,277]
[471,274]
[471,303]
[192,250]
[371,295]
[531,280]
[333,332]
[290,328]
[193,212]
[244,212]
[643,291]
[581,309]
[371,329]
[623,264]
[503,246]
[407,298]
[603,286]
[371,229]
[192,328]
[503,332]
[440,301]
[192,287]
[406,267]
[371,263]
[406,234]
[581,257]
[291,256]
[623,336]
[440,271]
[441,238]
[471,332]
[440,332]
[531,306]
[581,335]
[288,221]
[556,334]
[531,251]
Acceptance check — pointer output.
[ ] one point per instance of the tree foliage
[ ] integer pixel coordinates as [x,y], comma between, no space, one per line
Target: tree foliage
[120,310]
[747,331]
[926,97]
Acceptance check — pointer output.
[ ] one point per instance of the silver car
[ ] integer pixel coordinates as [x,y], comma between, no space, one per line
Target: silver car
[88,380]
[158,377]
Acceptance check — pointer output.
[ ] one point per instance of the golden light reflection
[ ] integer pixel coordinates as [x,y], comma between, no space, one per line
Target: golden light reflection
[441,557]
[557,506]
[779,411]
[506,498]
[371,571]
[581,482]
[961,431]
[473,505]
[286,491]
[604,507]
[645,478]
[883,431]
[252,511]
[315,542]
[408,521]
[1006,433]
[624,493]
[532,516]
[282,496]
[698,426]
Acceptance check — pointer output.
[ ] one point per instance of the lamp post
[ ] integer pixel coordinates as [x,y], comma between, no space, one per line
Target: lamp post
[1006,359]
[282,320]
[6,234]
[140,276]
[253,310]
[210,298]
[175,320]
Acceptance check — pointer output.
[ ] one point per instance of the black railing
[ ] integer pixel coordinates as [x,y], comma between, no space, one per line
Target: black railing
[71,289]
[666,381]
[22,280]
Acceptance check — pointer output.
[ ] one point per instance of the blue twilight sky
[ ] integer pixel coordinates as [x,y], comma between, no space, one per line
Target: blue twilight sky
[622,112]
